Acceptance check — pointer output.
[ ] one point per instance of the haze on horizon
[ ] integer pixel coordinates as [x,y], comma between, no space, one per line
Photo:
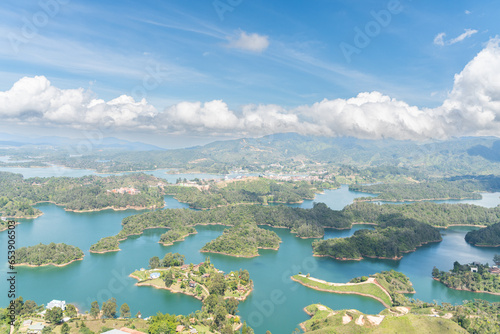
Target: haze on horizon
[177,75]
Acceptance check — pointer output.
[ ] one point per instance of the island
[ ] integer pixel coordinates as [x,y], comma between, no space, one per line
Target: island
[197,280]
[485,237]
[248,190]
[475,277]
[404,315]
[422,191]
[243,240]
[305,223]
[393,236]
[80,194]
[44,255]
[385,287]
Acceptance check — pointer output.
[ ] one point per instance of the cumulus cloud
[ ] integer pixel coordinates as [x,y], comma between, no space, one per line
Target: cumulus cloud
[35,100]
[439,39]
[471,108]
[249,42]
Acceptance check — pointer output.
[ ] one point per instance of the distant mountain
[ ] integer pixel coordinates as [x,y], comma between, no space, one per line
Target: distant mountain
[64,142]
[492,154]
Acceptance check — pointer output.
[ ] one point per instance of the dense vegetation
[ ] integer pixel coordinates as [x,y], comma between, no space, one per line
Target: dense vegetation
[393,236]
[57,254]
[433,190]
[82,193]
[176,234]
[305,222]
[251,191]
[488,236]
[461,277]
[220,294]
[244,239]
[427,212]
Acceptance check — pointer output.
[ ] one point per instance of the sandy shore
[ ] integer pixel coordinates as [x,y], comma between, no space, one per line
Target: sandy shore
[48,264]
[491,293]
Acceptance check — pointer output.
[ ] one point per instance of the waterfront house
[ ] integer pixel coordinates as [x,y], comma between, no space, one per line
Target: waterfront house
[57,303]
[192,284]
[36,328]
[473,269]
[154,275]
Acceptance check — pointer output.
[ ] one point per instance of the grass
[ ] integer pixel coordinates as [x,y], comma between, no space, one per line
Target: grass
[323,322]
[370,289]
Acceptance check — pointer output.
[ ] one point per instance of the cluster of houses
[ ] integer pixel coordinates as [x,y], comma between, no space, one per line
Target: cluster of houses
[124,190]
[37,327]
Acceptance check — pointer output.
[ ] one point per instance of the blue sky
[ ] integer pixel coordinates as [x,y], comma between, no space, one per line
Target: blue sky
[285,54]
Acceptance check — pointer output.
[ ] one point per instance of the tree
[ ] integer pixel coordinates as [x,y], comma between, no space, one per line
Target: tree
[18,305]
[70,311]
[217,284]
[167,278]
[496,259]
[65,328]
[29,307]
[54,315]
[109,308]
[232,305]
[125,311]
[220,313]
[47,330]
[154,262]
[173,260]
[94,309]
[246,329]
[162,324]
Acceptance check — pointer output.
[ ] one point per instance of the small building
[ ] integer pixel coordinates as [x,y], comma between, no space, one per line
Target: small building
[57,303]
[154,275]
[473,269]
[115,331]
[27,323]
[205,276]
[179,328]
[36,328]
[192,284]
[66,319]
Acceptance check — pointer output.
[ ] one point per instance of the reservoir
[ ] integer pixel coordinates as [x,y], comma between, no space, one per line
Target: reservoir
[102,276]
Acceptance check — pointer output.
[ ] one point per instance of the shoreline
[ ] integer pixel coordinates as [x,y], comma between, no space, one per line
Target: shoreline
[242,298]
[244,256]
[376,199]
[344,292]
[25,264]
[105,251]
[491,293]
[178,240]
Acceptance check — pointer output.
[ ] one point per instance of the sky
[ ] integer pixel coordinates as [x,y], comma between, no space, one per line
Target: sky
[177,73]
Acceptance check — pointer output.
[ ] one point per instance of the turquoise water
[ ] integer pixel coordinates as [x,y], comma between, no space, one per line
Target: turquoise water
[276,303]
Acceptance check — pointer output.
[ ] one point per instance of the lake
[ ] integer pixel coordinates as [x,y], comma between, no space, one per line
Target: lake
[276,304]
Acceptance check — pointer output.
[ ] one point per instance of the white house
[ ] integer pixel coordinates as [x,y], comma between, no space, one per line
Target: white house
[57,303]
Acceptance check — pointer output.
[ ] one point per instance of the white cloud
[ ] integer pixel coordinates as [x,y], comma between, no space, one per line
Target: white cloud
[467,12]
[439,39]
[249,42]
[471,108]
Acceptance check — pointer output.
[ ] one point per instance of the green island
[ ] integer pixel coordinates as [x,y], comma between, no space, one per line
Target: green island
[52,254]
[249,190]
[243,240]
[475,277]
[197,280]
[422,191]
[393,236]
[177,234]
[385,287]
[80,194]
[306,223]
[403,315]
[485,237]
[439,215]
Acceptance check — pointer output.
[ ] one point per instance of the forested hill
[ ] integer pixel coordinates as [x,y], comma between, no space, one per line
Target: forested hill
[486,237]
[81,193]
[291,151]
[51,254]
[393,236]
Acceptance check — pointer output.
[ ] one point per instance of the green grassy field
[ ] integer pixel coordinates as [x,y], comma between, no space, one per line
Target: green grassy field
[369,289]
